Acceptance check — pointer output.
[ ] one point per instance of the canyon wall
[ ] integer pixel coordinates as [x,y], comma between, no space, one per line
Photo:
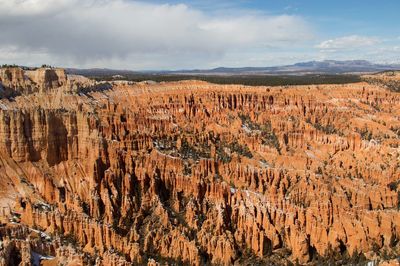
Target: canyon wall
[197,173]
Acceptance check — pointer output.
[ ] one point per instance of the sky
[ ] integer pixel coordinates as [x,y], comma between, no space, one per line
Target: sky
[196,34]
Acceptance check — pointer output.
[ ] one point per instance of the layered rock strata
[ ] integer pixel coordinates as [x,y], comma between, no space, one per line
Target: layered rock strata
[197,173]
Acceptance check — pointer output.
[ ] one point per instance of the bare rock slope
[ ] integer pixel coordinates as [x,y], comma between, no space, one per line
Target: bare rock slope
[196,173]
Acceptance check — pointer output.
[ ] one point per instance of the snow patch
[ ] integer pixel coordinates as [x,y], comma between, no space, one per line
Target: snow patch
[310,154]
[246,129]
[42,234]
[3,107]
[264,164]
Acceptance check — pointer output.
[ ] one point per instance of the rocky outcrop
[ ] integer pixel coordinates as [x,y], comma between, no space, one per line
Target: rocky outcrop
[191,172]
[47,79]
[15,81]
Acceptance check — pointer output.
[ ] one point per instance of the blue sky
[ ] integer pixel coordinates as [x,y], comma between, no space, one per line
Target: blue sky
[331,17]
[171,34]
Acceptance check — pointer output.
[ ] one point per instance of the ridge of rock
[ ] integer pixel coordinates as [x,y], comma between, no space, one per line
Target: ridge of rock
[196,173]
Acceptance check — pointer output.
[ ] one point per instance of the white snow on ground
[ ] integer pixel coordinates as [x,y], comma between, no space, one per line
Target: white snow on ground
[246,129]
[264,164]
[3,107]
[310,154]
[42,234]
[372,263]
[44,204]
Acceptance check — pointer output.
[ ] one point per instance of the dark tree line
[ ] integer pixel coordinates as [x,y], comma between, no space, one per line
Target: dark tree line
[251,80]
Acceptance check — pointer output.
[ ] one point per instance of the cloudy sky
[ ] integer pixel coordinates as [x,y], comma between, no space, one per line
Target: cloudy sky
[157,34]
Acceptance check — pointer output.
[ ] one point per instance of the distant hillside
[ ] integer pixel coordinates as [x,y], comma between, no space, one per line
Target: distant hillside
[303,68]
[99,72]
[311,67]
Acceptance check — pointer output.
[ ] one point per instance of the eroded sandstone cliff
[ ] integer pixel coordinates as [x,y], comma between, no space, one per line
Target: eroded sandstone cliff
[196,173]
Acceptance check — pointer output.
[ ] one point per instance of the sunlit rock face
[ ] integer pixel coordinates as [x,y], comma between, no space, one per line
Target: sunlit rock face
[17,81]
[197,173]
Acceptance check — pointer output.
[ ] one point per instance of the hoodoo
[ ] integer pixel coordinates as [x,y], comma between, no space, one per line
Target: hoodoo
[196,173]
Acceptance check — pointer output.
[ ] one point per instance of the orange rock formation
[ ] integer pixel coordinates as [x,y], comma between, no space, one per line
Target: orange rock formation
[197,173]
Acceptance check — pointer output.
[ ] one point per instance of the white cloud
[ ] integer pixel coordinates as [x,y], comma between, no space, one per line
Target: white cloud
[347,43]
[135,34]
